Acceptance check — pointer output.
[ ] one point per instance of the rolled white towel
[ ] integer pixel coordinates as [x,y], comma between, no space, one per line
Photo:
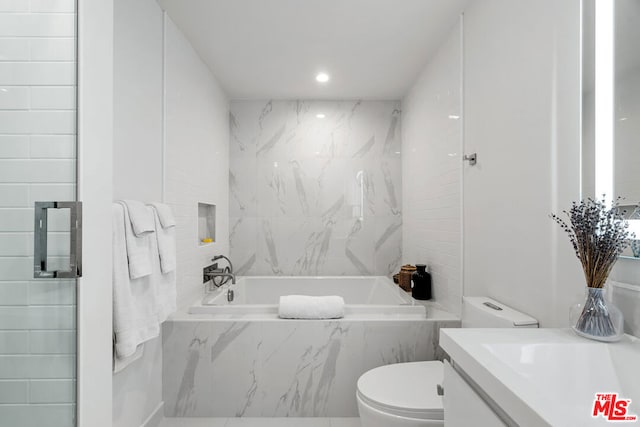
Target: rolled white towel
[306,307]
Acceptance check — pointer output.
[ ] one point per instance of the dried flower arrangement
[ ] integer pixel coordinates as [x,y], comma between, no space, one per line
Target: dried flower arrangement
[598,235]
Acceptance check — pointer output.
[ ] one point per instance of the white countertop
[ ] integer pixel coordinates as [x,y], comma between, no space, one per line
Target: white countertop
[547,376]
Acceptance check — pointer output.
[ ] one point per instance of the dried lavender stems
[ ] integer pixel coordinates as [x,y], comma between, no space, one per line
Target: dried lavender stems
[598,235]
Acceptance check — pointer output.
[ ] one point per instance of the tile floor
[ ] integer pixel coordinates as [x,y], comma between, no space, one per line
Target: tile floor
[260,422]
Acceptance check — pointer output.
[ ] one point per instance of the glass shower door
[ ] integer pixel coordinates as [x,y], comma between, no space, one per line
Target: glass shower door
[38,164]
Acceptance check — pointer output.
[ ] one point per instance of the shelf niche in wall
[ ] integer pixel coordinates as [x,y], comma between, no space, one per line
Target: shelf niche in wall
[206,223]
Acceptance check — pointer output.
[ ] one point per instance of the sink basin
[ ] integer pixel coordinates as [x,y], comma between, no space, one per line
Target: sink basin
[546,376]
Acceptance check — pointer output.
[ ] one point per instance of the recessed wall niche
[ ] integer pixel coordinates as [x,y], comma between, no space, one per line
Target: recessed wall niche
[206,223]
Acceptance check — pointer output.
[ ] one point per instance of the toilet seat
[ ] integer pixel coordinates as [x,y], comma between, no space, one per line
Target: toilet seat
[404,389]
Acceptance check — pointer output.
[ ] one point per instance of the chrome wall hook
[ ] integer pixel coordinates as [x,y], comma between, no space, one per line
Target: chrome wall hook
[471,158]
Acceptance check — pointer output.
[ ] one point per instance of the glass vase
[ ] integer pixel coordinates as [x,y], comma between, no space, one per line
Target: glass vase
[597,319]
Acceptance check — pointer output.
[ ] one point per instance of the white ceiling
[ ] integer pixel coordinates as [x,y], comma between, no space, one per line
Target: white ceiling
[272,49]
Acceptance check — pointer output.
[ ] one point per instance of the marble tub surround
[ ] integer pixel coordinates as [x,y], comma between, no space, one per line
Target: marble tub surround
[283,368]
[315,196]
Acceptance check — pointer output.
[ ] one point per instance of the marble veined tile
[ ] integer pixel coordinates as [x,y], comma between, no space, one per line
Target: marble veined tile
[310,369]
[194,422]
[287,164]
[278,422]
[295,368]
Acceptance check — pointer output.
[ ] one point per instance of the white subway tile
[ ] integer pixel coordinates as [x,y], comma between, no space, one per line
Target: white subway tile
[51,317]
[14,49]
[37,171]
[37,366]
[37,73]
[46,192]
[13,244]
[44,122]
[53,147]
[52,391]
[14,391]
[14,147]
[38,415]
[58,6]
[59,49]
[14,98]
[52,122]
[14,342]
[58,292]
[14,195]
[52,342]
[37,317]
[53,98]
[37,25]
[14,318]
[13,293]
[13,220]
[18,268]
[14,6]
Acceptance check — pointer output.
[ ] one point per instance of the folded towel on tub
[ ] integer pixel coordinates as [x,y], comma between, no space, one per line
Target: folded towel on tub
[307,307]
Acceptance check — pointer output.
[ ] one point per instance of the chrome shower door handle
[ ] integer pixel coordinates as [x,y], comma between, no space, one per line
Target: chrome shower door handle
[40,251]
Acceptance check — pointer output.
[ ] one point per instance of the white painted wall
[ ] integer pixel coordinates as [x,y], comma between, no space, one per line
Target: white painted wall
[522,117]
[137,170]
[197,158]
[137,132]
[196,165]
[432,172]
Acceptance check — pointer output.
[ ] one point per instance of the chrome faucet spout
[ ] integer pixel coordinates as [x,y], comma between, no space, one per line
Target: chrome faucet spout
[213,274]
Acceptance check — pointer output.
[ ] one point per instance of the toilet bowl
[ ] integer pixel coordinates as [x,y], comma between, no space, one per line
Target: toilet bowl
[407,394]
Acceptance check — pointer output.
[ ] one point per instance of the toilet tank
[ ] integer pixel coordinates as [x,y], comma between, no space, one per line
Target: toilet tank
[483,312]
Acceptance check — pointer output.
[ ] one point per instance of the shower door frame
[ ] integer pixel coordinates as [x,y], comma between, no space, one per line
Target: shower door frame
[94,190]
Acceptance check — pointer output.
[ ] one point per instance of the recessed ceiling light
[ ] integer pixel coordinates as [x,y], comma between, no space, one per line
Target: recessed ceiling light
[320,116]
[322,77]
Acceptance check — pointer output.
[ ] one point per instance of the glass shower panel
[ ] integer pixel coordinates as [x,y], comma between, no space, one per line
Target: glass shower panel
[37,163]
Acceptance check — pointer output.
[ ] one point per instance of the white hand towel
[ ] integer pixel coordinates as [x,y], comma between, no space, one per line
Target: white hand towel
[165,214]
[306,307]
[120,363]
[135,301]
[166,240]
[140,217]
[138,247]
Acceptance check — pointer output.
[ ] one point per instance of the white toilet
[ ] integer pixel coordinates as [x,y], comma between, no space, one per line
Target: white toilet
[406,394]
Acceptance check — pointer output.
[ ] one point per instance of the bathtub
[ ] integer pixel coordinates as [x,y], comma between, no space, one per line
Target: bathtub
[234,359]
[363,296]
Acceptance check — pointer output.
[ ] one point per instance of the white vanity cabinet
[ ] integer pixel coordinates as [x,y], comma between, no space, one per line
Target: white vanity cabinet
[464,407]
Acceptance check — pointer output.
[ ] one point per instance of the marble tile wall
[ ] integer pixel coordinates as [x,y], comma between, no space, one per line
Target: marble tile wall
[283,368]
[315,196]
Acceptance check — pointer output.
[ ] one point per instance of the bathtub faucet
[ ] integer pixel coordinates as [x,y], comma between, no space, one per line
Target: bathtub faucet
[217,257]
[218,272]
[226,273]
